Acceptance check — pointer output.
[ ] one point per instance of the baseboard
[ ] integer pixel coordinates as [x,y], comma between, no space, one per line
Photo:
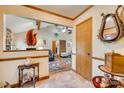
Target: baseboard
[74,70]
[80,74]
[16,85]
[45,77]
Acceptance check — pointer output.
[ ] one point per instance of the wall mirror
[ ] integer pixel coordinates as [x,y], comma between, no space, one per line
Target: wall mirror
[18,30]
[120,13]
[110,30]
[112,26]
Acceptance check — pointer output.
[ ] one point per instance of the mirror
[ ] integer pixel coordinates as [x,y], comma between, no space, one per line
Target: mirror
[112,27]
[110,30]
[120,12]
[23,33]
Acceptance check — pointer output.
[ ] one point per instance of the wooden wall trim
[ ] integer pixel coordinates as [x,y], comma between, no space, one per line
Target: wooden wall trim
[24,50]
[45,77]
[56,14]
[16,85]
[20,58]
[97,58]
[83,12]
[84,20]
[42,10]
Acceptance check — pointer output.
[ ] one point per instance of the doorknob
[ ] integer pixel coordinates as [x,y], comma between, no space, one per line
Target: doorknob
[89,54]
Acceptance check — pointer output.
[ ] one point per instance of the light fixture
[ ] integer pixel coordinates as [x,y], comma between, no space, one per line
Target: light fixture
[64,30]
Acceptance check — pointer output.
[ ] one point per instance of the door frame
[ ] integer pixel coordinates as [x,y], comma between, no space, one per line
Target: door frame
[90,18]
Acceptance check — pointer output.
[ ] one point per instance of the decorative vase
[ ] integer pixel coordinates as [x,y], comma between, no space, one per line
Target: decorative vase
[28,62]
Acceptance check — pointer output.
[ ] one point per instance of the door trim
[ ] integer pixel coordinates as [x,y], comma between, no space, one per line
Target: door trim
[90,18]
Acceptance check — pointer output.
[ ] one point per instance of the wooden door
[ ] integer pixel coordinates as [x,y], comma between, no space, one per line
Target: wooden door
[54,46]
[62,44]
[84,48]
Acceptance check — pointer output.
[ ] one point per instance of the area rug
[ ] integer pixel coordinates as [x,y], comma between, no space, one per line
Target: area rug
[60,64]
[67,79]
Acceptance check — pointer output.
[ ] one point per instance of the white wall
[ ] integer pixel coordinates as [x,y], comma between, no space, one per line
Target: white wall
[95,69]
[20,41]
[9,70]
[98,47]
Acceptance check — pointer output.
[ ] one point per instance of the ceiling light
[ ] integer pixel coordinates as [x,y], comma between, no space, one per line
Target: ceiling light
[64,30]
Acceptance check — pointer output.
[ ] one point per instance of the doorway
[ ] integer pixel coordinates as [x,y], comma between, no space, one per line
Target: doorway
[62,46]
[59,42]
[84,48]
[54,46]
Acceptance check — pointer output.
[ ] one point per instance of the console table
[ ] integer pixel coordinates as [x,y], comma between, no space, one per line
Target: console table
[21,68]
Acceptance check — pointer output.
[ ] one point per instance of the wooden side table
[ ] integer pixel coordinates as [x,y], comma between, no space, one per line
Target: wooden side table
[105,69]
[21,68]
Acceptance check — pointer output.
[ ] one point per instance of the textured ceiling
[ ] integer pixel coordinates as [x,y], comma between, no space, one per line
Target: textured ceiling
[66,10]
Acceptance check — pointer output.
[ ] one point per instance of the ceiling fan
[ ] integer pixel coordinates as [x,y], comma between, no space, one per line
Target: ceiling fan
[64,29]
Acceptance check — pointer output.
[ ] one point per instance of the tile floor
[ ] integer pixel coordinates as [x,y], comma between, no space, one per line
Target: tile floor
[66,79]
